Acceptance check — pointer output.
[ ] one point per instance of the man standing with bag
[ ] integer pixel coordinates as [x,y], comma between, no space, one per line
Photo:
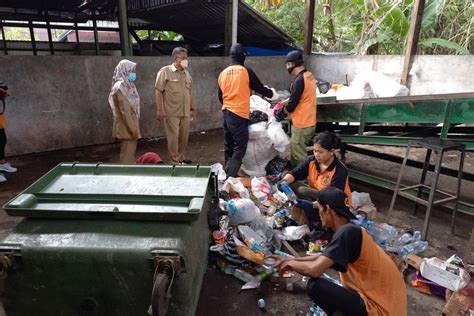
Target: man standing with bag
[236,83]
[175,104]
[301,105]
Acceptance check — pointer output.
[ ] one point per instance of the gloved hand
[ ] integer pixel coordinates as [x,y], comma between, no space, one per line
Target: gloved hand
[281,184]
[304,205]
[275,96]
[280,114]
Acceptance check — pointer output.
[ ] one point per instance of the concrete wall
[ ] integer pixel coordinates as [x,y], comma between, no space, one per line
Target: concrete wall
[429,75]
[61,101]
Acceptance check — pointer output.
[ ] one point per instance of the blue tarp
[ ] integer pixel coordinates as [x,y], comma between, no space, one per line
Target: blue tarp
[258,51]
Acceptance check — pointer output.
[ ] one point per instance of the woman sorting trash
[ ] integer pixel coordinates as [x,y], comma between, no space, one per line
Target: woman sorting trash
[322,170]
[125,103]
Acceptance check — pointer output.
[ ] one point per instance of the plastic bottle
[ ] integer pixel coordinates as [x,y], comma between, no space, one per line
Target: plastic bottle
[416,236]
[381,232]
[289,192]
[244,276]
[415,247]
[405,239]
[254,245]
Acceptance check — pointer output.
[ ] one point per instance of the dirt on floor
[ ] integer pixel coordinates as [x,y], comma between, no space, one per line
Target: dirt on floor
[220,293]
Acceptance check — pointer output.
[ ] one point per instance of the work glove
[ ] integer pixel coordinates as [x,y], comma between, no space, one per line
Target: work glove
[275,96]
[281,184]
[304,205]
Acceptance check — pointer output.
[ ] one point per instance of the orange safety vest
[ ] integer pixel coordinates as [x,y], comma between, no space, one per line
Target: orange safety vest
[377,280]
[234,82]
[319,181]
[304,114]
[3,121]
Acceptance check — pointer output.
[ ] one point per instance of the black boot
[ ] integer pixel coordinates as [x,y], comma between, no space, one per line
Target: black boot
[232,168]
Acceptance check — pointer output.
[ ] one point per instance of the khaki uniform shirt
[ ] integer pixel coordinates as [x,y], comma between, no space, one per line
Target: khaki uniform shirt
[126,121]
[176,87]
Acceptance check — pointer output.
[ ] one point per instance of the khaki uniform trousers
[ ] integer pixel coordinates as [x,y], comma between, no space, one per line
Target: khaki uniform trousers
[177,135]
[128,148]
[299,138]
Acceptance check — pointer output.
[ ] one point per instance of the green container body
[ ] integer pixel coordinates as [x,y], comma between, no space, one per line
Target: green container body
[89,249]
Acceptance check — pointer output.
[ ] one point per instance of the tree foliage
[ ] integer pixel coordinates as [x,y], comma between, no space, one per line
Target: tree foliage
[376,26]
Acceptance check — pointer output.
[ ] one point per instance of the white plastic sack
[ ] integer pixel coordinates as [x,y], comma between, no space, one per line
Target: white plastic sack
[236,186]
[280,141]
[381,85]
[259,104]
[218,169]
[259,153]
[258,130]
[357,90]
[295,232]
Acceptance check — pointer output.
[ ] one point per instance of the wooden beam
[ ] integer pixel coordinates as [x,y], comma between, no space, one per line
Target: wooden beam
[96,34]
[308,28]
[413,37]
[5,49]
[228,27]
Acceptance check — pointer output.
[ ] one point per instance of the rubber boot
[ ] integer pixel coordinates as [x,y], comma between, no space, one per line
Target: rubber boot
[232,168]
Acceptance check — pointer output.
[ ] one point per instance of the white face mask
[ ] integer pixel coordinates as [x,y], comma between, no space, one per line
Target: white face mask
[184,63]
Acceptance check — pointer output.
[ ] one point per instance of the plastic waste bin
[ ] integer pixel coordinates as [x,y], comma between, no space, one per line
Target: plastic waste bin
[104,239]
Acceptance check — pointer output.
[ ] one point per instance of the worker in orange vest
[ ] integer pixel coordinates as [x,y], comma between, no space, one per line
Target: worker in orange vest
[301,105]
[236,83]
[372,283]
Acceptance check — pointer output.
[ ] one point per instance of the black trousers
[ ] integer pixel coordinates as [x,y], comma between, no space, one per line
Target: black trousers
[3,142]
[334,298]
[236,136]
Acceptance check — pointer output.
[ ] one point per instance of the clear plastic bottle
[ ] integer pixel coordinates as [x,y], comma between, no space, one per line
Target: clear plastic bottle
[414,248]
[289,192]
[416,235]
[244,276]
[405,239]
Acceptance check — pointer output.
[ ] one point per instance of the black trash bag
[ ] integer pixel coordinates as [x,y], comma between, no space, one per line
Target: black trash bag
[277,165]
[323,86]
[257,117]
[280,114]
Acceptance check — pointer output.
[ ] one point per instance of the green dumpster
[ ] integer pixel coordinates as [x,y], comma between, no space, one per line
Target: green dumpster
[104,239]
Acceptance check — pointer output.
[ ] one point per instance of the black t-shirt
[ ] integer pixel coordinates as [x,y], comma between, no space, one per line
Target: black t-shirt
[344,247]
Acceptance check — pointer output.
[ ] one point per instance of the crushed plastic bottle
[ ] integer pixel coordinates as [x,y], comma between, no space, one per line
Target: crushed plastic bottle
[416,236]
[414,248]
[405,239]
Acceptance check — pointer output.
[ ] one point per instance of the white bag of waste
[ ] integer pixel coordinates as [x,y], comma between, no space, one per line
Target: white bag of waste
[258,103]
[241,211]
[259,153]
[295,232]
[236,186]
[381,85]
[258,130]
[280,141]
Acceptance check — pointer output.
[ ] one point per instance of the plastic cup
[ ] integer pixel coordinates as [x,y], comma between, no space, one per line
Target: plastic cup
[218,236]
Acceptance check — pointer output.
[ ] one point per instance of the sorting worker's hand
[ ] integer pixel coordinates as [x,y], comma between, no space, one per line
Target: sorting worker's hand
[304,205]
[281,184]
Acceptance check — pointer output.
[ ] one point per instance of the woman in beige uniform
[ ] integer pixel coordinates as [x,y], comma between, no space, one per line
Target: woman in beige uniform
[125,103]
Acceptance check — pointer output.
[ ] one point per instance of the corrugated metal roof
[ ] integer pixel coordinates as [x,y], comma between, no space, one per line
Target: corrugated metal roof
[205,21]
[199,21]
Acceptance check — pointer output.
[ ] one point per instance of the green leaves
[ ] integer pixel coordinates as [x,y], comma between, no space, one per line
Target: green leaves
[431,42]
[431,12]
[394,18]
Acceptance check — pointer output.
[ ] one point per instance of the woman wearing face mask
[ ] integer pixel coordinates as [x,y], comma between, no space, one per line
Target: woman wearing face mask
[322,170]
[125,103]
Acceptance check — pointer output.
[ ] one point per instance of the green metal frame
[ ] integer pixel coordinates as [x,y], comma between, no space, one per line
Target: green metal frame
[446,109]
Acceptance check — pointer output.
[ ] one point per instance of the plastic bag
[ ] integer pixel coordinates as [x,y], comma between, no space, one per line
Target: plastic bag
[295,232]
[259,104]
[241,211]
[257,117]
[360,199]
[277,165]
[233,184]
[258,130]
[381,85]
[261,189]
[259,153]
[218,169]
[278,137]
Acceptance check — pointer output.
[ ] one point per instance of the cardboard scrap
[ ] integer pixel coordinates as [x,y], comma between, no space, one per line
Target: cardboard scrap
[414,261]
[460,302]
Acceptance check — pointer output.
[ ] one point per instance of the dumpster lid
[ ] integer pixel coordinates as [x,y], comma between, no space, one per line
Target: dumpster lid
[142,192]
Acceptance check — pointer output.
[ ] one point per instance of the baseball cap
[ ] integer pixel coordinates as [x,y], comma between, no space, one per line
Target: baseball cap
[337,200]
[149,158]
[295,56]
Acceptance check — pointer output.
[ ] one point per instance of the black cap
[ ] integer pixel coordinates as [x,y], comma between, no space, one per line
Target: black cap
[337,200]
[238,49]
[295,56]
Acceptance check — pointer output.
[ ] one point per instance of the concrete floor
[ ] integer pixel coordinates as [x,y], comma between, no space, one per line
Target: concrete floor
[220,294]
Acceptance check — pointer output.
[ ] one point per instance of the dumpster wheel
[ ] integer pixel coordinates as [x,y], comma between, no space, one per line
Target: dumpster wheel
[162,284]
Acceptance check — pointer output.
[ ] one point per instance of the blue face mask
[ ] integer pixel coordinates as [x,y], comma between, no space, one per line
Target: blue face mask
[132,77]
